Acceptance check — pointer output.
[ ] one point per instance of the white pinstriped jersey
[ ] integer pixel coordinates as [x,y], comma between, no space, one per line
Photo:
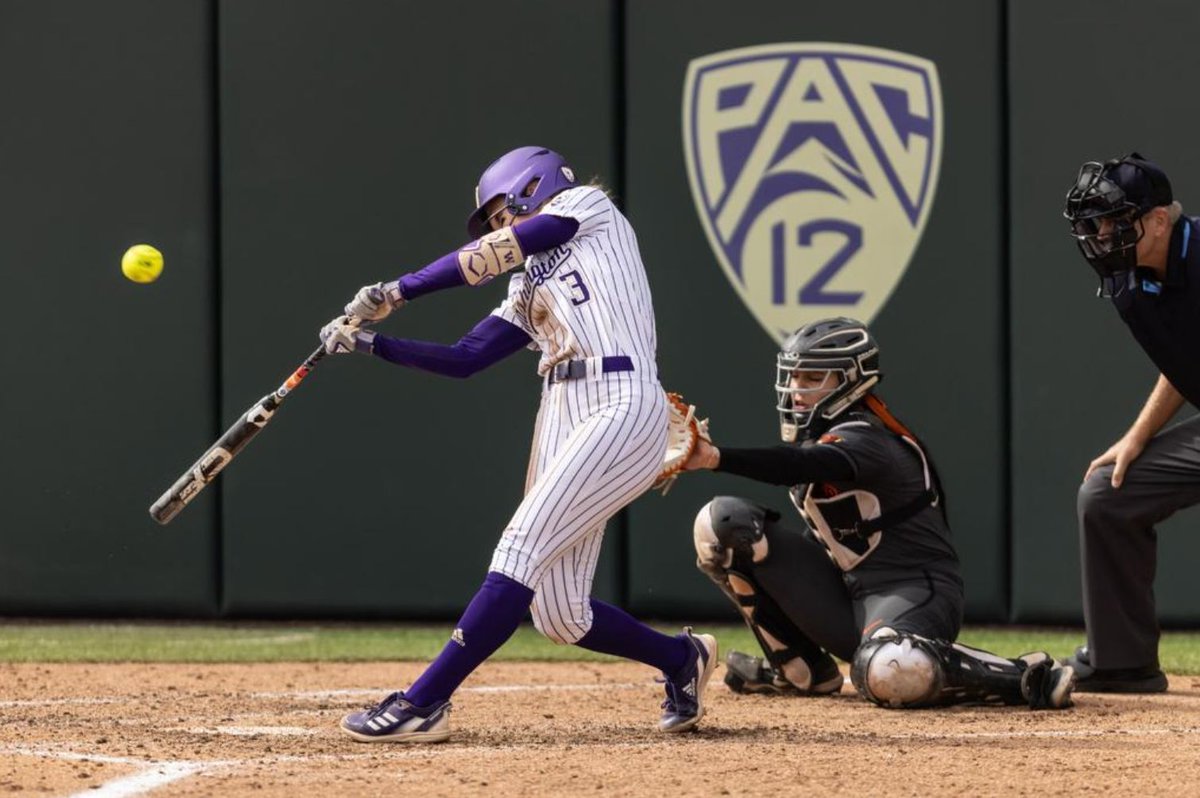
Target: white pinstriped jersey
[600,438]
[589,297]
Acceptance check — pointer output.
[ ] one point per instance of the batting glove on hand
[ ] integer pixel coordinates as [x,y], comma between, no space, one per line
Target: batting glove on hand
[340,337]
[375,302]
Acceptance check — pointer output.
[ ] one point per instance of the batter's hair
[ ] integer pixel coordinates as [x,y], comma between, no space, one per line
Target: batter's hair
[1174,211]
[596,182]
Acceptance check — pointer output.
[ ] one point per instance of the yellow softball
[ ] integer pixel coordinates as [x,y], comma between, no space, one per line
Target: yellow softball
[142,263]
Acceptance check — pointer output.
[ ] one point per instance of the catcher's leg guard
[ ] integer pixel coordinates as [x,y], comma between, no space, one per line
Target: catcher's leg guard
[729,528]
[904,670]
[795,660]
[728,535]
[897,670]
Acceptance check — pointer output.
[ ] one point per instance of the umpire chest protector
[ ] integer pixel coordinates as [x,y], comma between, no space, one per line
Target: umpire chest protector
[850,519]
[1164,316]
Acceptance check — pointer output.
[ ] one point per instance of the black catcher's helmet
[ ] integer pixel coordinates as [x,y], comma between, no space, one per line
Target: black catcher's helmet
[841,347]
[1104,207]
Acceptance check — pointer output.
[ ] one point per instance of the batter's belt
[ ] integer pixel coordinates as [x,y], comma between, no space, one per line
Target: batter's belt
[596,367]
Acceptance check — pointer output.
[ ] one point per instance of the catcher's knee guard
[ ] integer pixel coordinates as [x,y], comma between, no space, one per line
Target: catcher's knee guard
[905,670]
[728,529]
[730,539]
[897,670]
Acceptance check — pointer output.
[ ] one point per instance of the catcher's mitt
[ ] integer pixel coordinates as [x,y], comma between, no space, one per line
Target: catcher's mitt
[683,430]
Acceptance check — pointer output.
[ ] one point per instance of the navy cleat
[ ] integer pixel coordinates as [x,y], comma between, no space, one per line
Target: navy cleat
[684,706]
[397,720]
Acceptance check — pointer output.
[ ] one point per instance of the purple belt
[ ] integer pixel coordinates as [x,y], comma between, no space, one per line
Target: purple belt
[574,369]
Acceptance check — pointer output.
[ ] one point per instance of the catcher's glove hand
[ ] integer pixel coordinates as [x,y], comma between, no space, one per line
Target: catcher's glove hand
[683,430]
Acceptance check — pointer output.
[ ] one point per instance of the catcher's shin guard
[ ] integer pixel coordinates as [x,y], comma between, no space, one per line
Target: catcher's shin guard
[746,673]
[794,658]
[904,670]
[730,541]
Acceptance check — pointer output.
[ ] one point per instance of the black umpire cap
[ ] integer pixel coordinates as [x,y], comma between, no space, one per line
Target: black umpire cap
[1144,183]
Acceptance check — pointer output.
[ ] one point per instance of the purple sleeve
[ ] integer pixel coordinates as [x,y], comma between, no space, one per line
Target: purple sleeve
[545,231]
[489,342]
[538,234]
[442,273]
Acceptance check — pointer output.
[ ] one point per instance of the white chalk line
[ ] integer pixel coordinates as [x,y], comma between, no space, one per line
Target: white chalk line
[316,695]
[1148,732]
[150,776]
[254,731]
[21,750]
[51,702]
[144,781]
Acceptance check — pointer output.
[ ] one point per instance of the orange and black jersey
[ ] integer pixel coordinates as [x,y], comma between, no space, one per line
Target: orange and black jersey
[867,489]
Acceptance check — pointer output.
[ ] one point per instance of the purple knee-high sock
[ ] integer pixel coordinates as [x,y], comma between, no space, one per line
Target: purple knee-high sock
[615,631]
[490,619]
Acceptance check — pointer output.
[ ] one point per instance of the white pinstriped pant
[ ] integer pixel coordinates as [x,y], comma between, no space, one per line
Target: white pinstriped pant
[597,446]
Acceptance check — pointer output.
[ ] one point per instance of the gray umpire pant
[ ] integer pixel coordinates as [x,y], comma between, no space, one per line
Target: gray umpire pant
[1118,544]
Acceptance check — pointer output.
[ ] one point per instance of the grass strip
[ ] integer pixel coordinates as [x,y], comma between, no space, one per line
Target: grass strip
[75,641]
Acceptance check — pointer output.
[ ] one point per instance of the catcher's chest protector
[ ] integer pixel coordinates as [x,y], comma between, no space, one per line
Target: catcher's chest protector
[851,521]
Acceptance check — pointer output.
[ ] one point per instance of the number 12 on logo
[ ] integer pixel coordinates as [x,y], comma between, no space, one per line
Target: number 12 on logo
[813,291]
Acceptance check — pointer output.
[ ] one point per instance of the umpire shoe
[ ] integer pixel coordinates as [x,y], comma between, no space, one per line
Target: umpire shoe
[747,674]
[1046,684]
[1089,679]
[684,706]
[395,719]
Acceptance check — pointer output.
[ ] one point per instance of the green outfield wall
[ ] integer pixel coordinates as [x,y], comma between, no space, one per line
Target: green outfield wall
[283,153]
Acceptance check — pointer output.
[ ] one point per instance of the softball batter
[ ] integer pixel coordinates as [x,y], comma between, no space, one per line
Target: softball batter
[583,302]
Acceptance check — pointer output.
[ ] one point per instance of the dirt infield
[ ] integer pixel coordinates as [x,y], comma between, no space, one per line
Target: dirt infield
[542,729]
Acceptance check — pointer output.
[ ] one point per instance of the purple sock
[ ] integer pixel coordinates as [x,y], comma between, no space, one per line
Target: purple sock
[490,619]
[615,631]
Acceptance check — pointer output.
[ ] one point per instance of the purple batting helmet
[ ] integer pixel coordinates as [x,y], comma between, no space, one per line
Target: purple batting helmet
[526,177]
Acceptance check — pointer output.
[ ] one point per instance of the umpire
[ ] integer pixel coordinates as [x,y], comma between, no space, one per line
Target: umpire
[1134,234]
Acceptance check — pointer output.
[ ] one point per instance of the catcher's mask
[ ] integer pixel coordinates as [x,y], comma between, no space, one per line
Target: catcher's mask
[1105,207]
[525,177]
[845,352]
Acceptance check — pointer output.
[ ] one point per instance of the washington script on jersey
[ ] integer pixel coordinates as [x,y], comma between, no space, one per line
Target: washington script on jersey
[813,168]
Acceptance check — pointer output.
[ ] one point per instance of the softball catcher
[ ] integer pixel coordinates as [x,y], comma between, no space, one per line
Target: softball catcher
[870,575]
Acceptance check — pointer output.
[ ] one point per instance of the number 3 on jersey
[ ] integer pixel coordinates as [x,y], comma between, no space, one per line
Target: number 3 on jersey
[579,291]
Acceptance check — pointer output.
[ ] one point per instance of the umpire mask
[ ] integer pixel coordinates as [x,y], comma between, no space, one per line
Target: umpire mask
[821,370]
[1105,207]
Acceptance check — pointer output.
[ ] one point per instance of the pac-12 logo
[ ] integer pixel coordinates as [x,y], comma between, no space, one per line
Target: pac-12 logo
[813,168]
